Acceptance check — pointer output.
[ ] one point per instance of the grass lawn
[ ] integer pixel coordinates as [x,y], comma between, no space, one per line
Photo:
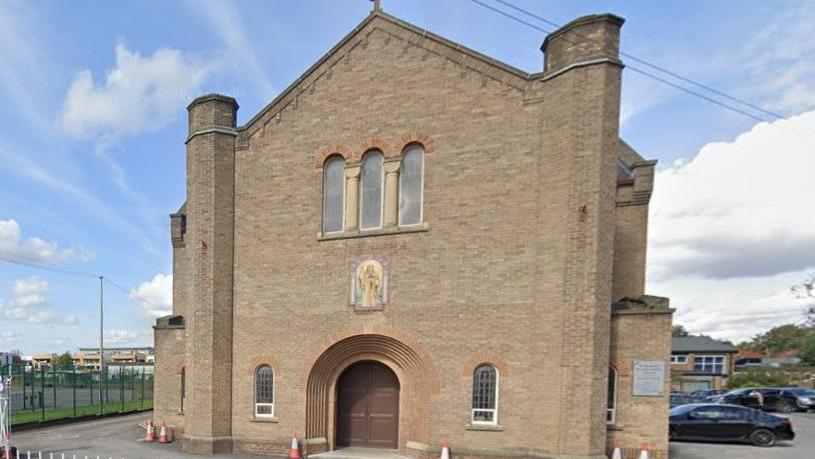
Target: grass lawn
[62,413]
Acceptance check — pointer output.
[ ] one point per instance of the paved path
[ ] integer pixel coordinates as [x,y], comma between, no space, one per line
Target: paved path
[802,447]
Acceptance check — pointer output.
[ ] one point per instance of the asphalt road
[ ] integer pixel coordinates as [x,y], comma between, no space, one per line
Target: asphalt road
[119,438]
[802,447]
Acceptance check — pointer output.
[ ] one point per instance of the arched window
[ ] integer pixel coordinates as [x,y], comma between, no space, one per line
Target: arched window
[370,202]
[264,392]
[333,194]
[183,387]
[485,395]
[611,406]
[410,185]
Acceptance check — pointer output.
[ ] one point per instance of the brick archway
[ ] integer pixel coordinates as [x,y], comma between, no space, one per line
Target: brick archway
[414,371]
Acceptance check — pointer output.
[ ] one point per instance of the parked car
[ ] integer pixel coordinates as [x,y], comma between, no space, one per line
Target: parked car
[768,399]
[702,395]
[680,398]
[806,397]
[717,422]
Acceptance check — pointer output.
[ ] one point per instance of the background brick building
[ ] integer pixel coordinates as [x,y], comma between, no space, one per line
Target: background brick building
[452,244]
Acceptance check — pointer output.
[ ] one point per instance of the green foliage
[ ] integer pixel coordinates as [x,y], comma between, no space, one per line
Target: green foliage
[679,331]
[807,351]
[781,338]
[63,362]
[759,378]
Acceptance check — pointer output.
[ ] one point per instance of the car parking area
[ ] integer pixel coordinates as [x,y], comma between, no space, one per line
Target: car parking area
[802,447]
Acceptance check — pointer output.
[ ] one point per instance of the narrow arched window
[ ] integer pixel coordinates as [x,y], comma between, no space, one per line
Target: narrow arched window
[370,201]
[264,392]
[611,406]
[183,387]
[333,194]
[485,395]
[410,185]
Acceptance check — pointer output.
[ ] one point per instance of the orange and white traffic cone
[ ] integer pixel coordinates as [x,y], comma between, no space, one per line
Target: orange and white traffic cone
[151,432]
[445,449]
[294,452]
[162,435]
[645,451]
[618,451]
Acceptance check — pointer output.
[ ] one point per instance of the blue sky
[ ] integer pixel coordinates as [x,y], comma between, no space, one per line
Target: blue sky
[93,127]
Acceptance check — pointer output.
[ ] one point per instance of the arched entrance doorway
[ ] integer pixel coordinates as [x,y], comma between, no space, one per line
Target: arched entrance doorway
[367,406]
[417,377]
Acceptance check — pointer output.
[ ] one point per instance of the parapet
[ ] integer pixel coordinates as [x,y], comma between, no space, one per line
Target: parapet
[588,38]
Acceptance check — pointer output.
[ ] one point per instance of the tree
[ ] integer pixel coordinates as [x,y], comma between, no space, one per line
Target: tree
[806,291]
[63,362]
[679,331]
[781,338]
[807,351]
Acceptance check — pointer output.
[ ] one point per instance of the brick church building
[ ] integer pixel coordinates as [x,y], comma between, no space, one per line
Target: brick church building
[416,242]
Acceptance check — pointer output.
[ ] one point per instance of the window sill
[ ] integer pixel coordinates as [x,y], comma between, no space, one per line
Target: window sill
[614,427]
[262,419]
[373,232]
[485,427]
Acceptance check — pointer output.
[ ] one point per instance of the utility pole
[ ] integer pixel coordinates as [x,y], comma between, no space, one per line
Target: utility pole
[101,341]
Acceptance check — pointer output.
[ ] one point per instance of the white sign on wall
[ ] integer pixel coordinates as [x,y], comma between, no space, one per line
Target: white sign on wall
[649,378]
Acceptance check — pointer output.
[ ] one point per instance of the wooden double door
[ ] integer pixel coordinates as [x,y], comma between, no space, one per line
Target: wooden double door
[368,406]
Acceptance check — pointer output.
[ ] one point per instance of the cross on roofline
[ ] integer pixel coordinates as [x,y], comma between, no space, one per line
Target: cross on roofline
[377,5]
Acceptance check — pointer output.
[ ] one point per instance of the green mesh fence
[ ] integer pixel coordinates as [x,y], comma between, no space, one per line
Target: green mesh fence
[46,394]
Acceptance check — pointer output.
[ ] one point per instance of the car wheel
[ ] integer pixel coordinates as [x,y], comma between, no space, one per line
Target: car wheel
[784,407]
[762,437]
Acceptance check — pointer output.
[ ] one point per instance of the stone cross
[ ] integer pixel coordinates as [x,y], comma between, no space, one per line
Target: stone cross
[377,5]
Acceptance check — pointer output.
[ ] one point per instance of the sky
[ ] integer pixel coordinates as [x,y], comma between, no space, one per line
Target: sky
[93,123]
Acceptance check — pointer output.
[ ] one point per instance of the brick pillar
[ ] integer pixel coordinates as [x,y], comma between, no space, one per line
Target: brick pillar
[580,121]
[210,240]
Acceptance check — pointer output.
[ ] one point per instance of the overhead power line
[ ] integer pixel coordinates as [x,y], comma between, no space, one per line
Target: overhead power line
[642,61]
[32,263]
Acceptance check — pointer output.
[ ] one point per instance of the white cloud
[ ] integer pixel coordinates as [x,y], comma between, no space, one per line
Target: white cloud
[119,336]
[732,229]
[738,209]
[155,295]
[36,249]
[8,338]
[30,304]
[139,94]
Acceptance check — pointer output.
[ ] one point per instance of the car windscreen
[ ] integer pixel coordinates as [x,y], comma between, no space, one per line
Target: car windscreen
[681,409]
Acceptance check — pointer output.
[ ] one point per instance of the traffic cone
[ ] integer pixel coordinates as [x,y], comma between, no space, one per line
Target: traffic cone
[618,453]
[445,449]
[162,435]
[294,452]
[645,451]
[151,432]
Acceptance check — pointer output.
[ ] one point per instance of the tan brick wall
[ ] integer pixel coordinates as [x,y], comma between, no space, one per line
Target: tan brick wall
[640,336]
[514,267]
[170,350]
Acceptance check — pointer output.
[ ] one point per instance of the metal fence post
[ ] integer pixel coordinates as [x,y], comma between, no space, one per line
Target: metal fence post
[23,375]
[74,389]
[42,394]
[142,388]
[122,387]
[54,384]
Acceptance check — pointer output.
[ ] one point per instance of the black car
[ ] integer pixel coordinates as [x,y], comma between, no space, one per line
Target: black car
[806,397]
[680,398]
[717,422]
[703,395]
[767,399]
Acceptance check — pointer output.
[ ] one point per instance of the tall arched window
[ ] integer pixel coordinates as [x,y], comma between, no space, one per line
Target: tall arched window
[333,194]
[264,392]
[370,202]
[485,395]
[611,406]
[410,185]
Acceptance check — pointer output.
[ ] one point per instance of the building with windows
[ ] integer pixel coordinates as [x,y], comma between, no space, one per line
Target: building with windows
[701,362]
[412,242]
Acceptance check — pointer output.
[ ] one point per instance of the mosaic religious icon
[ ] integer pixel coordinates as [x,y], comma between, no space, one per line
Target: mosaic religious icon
[369,283]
